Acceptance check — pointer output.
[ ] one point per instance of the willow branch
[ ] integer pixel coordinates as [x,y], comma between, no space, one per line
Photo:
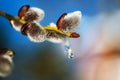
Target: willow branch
[10,17]
[17,19]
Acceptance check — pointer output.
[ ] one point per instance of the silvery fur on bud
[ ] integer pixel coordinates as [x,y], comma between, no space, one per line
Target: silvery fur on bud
[36,33]
[34,14]
[55,37]
[16,25]
[69,22]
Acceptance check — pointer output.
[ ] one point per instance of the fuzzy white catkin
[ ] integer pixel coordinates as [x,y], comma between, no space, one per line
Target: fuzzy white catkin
[16,25]
[36,11]
[36,33]
[71,21]
[6,65]
[55,37]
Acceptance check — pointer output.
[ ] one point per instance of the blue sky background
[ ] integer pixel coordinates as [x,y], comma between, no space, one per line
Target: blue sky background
[27,52]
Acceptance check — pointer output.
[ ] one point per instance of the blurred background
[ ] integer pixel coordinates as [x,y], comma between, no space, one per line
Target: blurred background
[96,51]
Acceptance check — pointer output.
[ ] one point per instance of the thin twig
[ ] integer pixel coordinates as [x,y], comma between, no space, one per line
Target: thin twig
[10,17]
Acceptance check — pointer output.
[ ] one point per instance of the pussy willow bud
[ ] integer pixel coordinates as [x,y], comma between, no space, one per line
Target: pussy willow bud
[34,31]
[31,13]
[55,37]
[74,35]
[68,22]
[16,25]
[6,62]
